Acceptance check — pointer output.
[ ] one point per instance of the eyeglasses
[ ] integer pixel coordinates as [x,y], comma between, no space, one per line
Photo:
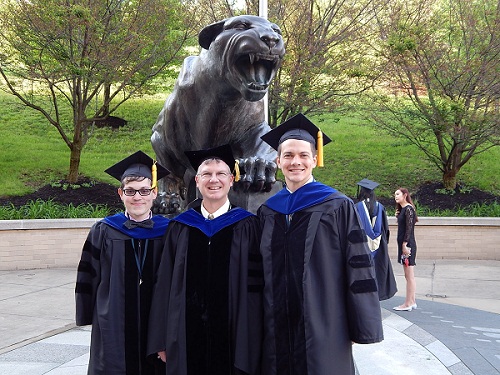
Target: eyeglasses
[131,192]
[218,175]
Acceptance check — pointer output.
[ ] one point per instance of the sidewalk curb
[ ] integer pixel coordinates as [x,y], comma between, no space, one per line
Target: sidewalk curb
[42,336]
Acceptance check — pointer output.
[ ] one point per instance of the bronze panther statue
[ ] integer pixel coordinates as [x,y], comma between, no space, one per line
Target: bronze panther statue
[218,99]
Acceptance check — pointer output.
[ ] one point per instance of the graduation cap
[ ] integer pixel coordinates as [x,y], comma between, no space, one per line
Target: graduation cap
[298,127]
[139,165]
[368,184]
[223,153]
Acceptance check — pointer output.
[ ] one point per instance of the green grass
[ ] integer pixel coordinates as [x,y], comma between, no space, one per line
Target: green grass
[359,151]
[33,154]
[49,210]
[474,210]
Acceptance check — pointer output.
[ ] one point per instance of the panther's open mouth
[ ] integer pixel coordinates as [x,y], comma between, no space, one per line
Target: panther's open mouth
[257,69]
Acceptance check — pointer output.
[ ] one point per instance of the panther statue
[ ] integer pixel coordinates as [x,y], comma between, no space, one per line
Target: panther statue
[218,99]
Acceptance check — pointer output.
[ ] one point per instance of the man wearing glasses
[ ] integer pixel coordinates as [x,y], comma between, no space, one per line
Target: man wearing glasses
[206,315]
[116,273]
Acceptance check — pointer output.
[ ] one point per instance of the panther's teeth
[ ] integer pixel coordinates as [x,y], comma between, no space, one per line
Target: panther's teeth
[256,86]
[254,57]
[260,56]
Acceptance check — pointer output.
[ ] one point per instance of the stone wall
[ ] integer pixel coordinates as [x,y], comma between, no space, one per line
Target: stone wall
[453,238]
[29,244]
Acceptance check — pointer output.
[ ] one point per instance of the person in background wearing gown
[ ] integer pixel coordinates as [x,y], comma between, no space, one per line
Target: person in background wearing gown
[206,317]
[119,262]
[320,289]
[374,220]
[407,246]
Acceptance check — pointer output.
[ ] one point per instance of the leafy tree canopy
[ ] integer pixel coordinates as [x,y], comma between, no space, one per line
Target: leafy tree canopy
[82,55]
[440,66]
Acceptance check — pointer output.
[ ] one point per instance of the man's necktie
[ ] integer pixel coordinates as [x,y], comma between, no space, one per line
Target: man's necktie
[130,224]
[210,216]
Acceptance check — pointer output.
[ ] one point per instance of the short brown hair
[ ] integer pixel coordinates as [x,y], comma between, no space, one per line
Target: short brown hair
[127,179]
[313,148]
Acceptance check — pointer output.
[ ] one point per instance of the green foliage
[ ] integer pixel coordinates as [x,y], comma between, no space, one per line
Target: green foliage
[473,210]
[445,191]
[66,185]
[401,43]
[78,61]
[40,209]
[27,137]
[358,150]
[442,57]
[462,189]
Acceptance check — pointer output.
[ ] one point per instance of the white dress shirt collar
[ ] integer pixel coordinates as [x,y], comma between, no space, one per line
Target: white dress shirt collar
[222,210]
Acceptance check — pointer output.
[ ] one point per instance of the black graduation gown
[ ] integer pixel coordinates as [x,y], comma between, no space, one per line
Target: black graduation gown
[109,295]
[320,291]
[386,282]
[207,304]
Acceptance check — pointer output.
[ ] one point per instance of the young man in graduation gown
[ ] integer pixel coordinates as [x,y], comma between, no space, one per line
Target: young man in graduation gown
[374,221]
[118,266]
[206,317]
[320,293]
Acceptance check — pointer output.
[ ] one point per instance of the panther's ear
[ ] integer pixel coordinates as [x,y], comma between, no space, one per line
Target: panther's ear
[209,33]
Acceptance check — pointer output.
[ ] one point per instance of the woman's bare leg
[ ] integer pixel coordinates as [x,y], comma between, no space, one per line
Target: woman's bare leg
[411,286]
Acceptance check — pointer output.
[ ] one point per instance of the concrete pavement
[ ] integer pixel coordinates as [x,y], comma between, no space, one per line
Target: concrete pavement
[454,330]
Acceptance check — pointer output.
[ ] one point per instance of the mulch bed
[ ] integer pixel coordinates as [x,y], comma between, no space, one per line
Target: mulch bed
[97,193]
[106,194]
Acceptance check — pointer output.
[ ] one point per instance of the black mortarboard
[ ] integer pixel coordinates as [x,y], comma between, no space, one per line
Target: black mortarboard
[223,153]
[368,184]
[140,165]
[298,127]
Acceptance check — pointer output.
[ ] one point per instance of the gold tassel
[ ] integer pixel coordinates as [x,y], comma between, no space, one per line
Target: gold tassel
[154,174]
[320,149]
[237,171]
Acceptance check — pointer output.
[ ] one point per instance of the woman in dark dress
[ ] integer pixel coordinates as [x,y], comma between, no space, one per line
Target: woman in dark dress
[407,247]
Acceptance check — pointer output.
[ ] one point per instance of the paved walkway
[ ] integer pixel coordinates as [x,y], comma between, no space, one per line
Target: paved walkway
[455,329]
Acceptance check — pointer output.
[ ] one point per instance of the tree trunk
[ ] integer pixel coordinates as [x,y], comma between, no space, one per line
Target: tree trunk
[106,95]
[74,164]
[450,180]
